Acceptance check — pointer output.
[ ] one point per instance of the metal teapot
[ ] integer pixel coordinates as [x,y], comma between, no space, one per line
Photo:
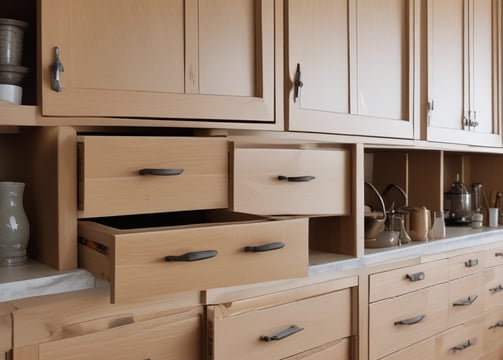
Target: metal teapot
[457,204]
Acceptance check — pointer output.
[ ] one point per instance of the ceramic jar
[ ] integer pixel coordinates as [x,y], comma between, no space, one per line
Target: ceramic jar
[14,226]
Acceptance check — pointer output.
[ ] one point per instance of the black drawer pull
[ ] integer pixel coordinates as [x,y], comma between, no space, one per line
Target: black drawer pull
[411,321]
[465,345]
[472,262]
[497,325]
[496,289]
[293,329]
[192,256]
[265,247]
[498,254]
[465,302]
[415,277]
[296,178]
[161,172]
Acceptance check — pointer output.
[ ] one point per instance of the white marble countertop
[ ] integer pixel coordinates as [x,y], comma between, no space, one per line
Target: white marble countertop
[34,279]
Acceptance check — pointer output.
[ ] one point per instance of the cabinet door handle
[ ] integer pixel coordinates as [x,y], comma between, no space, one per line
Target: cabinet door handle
[498,254]
[297,84]
[496,289]
[160,172]
[192,256]
[465,345]
[56,70]
[415,277]
[411,321]
[472,262]
[497,325]
[293,329]
[296,178]
[265,247]
[465,302]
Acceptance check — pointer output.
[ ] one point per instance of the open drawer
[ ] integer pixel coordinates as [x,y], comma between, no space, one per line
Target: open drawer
[154,254]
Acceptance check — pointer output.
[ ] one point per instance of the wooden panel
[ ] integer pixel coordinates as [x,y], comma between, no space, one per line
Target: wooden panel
[400,281]
[339,350]
[420,351]
[493,287]
[6,326]
[257,189]
[386,335]
[493,330]
[109,182]
[459,336]
[137,257]
[466,298]
[466,264]
[323,319]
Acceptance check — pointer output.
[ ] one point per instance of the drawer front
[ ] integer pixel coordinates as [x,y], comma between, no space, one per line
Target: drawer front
[424,350]
[494,256]
[463,342]
[160,338]
[311,323]
[312,181]
[493,287]
[402,321]
[493,330]
[466,298]
[338,350]
[466,264]
[400,281]
[138,267]
[110,182]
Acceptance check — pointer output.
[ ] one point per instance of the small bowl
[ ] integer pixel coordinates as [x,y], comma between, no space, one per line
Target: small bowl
[11,93]
[12,74]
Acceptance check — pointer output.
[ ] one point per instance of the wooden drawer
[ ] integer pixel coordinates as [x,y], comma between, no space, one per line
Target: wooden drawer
[402,321]
[110,182]
[461,342]
[494,256]
[466,264]
[337,350]
[493,330]
[493,287]
[424,350]
[170,337]
[291,181]
[232,248]
[403,280]
[311,322]
[466,298]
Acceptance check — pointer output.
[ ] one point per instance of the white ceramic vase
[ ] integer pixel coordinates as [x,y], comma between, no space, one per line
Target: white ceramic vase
[14,225]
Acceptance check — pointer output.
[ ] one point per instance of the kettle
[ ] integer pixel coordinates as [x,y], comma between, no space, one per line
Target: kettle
[457,204]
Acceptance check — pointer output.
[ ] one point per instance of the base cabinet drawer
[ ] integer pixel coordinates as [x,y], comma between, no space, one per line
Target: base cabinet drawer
[493,330]
[463,265]
[281,331]
[494,256]
[424,350]
[402,321]
[220,249]
[461,342]
[493,288]
[338,350]
[466,298]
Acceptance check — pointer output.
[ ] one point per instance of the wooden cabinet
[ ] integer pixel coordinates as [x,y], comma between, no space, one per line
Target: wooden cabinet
[181,59]
[355,60]
[463,66]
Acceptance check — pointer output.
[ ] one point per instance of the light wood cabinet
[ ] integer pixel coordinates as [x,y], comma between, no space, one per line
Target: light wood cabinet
[463,66]
[181,59]
[351,67]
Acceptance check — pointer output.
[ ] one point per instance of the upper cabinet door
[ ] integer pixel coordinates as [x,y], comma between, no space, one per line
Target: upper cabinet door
[196,59]
[463,68]
[351,66]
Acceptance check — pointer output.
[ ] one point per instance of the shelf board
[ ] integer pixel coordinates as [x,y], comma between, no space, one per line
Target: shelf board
[17,115]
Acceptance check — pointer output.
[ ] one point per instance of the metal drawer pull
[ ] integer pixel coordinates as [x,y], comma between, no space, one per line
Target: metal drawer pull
[266,247]
[496,289]
[161,172]
[192,256]
[296,178]
[416,277]
[497,325]
[56,70]
[411,321]
[472,262]
[498,254]
[282,333]
[464,302]
[465,345]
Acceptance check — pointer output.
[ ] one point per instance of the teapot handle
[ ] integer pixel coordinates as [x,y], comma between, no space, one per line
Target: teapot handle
[372,187]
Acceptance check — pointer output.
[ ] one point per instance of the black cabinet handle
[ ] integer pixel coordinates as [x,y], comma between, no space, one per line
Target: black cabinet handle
[192,256]
[496,289]
[296,178]
[465,345]
[497,325]
[465,302]
[498,254]
[472,262]
[293,329]
[411,321]
[265,247]
[297,83]
[415,277]
[161,172]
